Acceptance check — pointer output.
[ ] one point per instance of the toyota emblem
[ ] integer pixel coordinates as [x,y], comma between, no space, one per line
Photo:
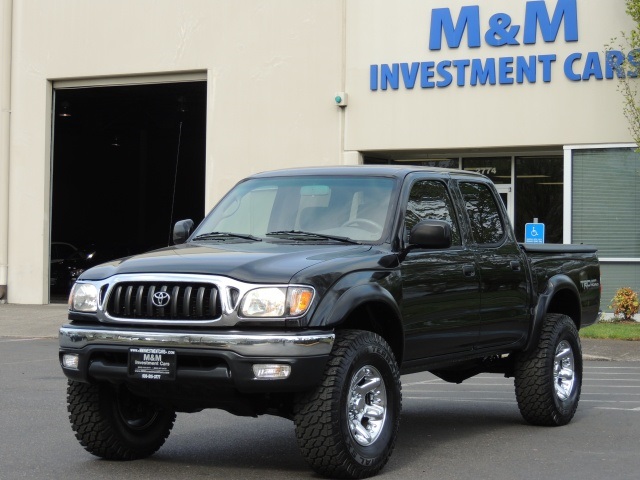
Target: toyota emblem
[161,299]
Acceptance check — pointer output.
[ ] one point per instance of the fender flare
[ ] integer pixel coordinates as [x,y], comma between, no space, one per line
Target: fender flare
[555,284]
[339,306]
[335,308]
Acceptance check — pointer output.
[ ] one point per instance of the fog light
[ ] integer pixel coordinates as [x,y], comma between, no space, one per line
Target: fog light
[273,371]
[70,361]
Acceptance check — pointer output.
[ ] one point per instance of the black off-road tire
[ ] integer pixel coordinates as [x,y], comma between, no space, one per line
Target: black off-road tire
[548,379]
[341,432]
[112,423]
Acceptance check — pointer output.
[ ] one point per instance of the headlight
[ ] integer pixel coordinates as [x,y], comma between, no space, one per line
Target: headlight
[75,272]
[276,302]
[83,298]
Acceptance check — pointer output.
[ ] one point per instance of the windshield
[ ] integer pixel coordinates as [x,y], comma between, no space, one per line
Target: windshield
[333,207]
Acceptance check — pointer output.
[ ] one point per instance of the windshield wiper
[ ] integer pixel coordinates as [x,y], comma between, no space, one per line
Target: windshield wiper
[299,233]
[223,235]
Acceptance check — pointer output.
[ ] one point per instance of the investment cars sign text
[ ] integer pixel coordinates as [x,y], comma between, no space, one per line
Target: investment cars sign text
[543,22]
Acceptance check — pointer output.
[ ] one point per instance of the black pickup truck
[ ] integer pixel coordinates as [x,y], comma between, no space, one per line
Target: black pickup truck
[307,293]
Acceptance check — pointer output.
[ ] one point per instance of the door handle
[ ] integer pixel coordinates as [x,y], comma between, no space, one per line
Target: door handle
[515,265]
[469,270]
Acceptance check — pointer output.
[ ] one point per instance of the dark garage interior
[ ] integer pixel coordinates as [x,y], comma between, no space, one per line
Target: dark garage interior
[128,162]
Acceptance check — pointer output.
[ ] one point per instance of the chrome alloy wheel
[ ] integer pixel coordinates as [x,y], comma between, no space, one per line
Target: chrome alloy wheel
[563,371]
[366,405]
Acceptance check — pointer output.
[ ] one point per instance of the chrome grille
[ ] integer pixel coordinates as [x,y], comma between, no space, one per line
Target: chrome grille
[188,301]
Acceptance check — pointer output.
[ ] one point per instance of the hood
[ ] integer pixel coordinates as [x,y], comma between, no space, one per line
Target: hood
[255,262]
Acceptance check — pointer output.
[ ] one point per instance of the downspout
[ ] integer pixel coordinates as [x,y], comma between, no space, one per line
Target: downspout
[349,157]
[343,77]
[6,12]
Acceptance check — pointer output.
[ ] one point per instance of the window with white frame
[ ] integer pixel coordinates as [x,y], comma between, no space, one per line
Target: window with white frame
[606,213]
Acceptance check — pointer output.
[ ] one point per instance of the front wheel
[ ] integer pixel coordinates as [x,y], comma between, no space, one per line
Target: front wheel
[548,379]
[111,422]
[347,427]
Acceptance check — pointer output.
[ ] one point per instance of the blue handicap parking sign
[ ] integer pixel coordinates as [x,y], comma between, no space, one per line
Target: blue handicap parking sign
[534,233]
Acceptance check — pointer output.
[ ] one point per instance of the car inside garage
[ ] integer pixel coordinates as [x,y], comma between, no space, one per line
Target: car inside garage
[127,163]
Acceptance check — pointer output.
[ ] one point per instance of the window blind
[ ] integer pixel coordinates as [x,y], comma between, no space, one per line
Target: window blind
[606,201]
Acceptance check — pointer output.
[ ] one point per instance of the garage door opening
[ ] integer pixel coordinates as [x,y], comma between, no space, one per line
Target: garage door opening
[128,162]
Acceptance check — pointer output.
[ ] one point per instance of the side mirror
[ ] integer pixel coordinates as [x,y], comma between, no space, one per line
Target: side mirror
[430,234]
[181,231]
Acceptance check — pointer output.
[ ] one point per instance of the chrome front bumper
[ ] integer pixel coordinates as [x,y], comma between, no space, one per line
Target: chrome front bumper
[250,344]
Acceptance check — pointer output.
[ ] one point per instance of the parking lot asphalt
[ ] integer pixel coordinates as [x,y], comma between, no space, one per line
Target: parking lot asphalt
[43,321]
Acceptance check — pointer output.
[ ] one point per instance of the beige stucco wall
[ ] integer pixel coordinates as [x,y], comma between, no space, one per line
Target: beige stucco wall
[557,113]
[272,66]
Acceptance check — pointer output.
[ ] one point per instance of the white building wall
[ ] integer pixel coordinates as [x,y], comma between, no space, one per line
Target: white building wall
[272,68]
[5,121]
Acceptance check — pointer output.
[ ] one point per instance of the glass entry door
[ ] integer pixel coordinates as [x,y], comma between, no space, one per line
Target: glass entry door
[506,193]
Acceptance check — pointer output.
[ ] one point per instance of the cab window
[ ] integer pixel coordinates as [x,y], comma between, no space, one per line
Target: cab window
[484,215]
[430,200]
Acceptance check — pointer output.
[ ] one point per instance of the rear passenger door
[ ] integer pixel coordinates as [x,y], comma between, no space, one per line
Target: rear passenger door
[504,290]
[441,298]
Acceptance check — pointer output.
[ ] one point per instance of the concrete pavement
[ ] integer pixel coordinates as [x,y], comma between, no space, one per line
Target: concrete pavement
[43,321]
[32,321]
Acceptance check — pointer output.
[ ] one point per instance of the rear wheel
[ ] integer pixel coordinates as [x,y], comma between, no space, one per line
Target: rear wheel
[347,427]
[112,423]
[548,379]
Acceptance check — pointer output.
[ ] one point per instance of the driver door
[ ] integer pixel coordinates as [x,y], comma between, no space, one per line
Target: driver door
[441,288]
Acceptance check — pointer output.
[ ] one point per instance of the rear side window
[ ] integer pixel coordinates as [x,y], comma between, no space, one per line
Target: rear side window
[484,215]
[429,200]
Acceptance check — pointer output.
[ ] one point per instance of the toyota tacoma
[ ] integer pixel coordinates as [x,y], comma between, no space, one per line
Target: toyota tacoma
[307,293]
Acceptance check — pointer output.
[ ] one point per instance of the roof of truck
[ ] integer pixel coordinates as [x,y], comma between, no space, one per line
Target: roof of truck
[399,171]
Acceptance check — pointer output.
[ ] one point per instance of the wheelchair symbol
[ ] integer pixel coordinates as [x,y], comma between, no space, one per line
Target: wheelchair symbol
[534,233]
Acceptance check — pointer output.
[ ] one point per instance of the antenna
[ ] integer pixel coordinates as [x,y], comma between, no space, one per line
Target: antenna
[175,182]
